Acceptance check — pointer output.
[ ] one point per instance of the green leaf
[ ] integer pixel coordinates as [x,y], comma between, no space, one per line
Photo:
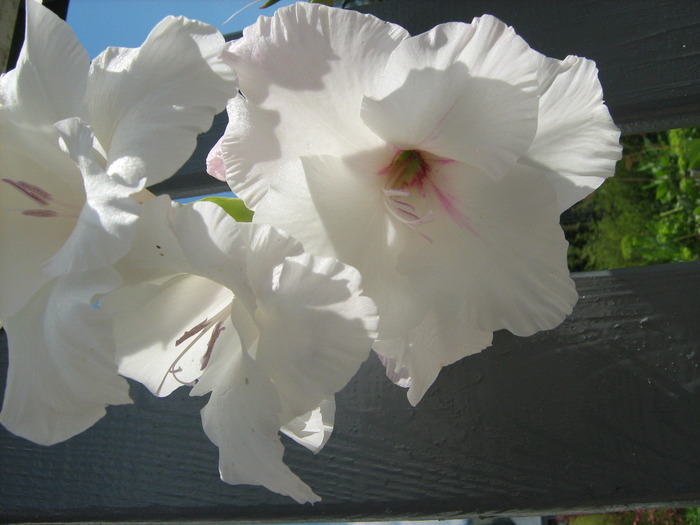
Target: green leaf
[329,3]
[693,152]
[234,207]
[269,3]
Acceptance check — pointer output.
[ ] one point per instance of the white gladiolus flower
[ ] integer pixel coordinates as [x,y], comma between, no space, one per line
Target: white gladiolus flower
[437,165]
[67,210]
[272,332]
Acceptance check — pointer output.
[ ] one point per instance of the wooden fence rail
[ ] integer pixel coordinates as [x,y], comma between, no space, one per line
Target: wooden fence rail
[603,412]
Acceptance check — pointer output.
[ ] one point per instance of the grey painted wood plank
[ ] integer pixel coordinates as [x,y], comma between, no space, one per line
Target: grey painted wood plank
[647,51]
[599,413]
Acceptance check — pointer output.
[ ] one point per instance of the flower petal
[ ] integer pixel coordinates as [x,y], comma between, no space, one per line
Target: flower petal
[292,333]
[62,372]
[443,336]
[335,209]
[577,143]
[303,73]
[147,105]
[41,195]
[47,85]
[316,329]
[175,353]
[266,249]
[216,167]
[176,252]
[501,265]
[466,92]
[105,227]
[242,419]
[242,416]
[508,261]
[313,429]
[215,246]
[50,79]
[155,254]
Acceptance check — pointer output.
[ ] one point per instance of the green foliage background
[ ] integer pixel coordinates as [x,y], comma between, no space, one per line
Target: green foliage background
[637,517]
[648,213]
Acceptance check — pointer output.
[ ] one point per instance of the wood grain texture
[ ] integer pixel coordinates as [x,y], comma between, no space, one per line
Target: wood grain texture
[599,413]
[647,52]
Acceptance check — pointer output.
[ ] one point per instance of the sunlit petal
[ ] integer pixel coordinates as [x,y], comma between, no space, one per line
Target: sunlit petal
[173,353]
[577,143]
[511,243]
[466,92]
[50,79]
[244,314]
[147,105]
[313,429]
[105,227]
[311,107]
[67,216]
[452,216]
[335,209]
[40,200]
[315,330]
[62,372]
[242,419]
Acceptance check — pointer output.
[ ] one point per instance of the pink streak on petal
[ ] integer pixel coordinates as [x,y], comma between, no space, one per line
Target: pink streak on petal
[35,193]
[456,215]
[385,170]
[215,163]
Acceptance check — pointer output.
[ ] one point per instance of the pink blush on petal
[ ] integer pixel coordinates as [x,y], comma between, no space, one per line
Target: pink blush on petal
[215,164]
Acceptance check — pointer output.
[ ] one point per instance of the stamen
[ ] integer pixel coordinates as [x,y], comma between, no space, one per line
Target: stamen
[173,370]
[403,211]
[185,383]
[413,218]
[407,168]
[210,345]
[43,198]
[414,171]
[391,192]
[196,332]
[35,193]
[192,331]
[405,205]
[40,213]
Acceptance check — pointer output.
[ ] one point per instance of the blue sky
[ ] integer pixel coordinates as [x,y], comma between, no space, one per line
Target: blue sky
[126,23]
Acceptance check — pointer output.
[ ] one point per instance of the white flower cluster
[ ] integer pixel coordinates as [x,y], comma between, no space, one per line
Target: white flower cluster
[406,195]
